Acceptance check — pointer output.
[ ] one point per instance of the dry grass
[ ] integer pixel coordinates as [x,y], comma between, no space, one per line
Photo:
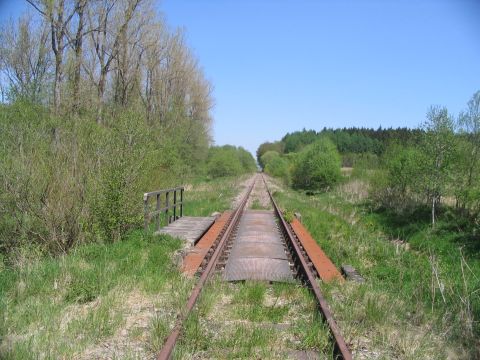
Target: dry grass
[254,320]
[393,315]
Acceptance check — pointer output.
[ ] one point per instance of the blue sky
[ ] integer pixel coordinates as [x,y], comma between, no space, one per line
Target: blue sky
[280,66]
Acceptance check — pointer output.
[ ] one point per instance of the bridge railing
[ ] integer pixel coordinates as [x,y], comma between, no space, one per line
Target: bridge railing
[170,200]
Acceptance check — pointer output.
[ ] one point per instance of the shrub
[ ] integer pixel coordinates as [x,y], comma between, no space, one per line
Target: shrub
[247,160]
[223,161]
[317,167]
[229,160]
[69,180]
[397,185]
[278,167]
[267,157]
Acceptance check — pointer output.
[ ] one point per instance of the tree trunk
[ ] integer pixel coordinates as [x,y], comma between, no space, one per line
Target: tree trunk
[57,82]
[78,56]
[101,93]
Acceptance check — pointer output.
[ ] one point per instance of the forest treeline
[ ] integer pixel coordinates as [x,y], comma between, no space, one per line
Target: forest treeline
[101,101]
[434,166]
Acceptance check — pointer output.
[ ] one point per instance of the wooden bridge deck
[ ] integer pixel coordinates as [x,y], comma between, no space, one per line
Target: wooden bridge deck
[188,228]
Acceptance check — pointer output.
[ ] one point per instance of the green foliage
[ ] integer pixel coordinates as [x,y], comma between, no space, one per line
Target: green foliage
[268,157]
[247,160]
[439,147]
[296,141]
[229,160]
[318,167]
[398,273]
[399,182]
[89,287]
[277,146]
[352,140]
[70,180]
[279,167]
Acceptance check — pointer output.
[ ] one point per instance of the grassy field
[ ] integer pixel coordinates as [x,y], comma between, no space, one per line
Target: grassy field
[420,299]
[421,295]
[117,300]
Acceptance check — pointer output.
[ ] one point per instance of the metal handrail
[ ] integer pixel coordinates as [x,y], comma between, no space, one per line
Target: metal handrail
[148,215]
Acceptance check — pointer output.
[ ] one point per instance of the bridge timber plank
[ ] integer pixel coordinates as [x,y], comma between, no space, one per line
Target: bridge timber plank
[188,228]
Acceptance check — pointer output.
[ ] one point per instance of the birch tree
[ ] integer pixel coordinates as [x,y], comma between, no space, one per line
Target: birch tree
[438,146]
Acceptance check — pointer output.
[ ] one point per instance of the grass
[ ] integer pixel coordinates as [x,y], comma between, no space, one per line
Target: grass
[403,310]
[115,300]
[253,320]
[121,300]
[58,307]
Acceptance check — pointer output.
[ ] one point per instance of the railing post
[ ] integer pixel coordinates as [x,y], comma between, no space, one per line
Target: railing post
[181,202]
[166,207]
[157,217]
[145,211]
[174,204]
[177,213]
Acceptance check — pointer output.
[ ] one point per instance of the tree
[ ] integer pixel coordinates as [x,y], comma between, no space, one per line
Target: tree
[438,146]
[247,160]
[469,121]
[399,187]
[318,166]
[278,167]
[24,59]
[59,15]
[268,157]
[467,164]
[277,146]
[78,49]
[223,161]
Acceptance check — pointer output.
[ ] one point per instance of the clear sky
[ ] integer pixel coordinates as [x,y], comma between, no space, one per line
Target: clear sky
[280,66]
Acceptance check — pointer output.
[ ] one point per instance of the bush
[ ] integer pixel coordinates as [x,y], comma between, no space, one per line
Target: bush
[267,157]
[69,180]
[229,160]
[224,163]
[247,160]
[397,184]
[278,167]
[317,166]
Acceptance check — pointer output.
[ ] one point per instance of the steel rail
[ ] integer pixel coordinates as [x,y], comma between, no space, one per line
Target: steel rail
[341,348]
[169,345]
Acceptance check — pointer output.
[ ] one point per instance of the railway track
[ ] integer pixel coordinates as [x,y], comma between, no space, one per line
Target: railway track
[259,245]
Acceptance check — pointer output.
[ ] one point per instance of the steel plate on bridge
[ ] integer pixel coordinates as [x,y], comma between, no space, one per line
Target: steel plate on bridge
[258,250]
[258,269]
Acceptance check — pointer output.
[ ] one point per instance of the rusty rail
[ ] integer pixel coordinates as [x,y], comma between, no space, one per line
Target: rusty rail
[341,348]
[169,345]
[148,215]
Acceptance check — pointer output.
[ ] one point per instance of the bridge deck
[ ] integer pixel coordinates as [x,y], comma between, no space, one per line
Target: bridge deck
[258,251]
[188,228]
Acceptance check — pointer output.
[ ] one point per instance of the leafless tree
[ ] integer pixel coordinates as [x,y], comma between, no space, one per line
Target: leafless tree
[24,58]
[111,18]
[59,14]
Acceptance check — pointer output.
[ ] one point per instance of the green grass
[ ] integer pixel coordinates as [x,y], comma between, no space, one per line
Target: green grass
[253,320]
[402,298]
[61,305]
[129,292]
